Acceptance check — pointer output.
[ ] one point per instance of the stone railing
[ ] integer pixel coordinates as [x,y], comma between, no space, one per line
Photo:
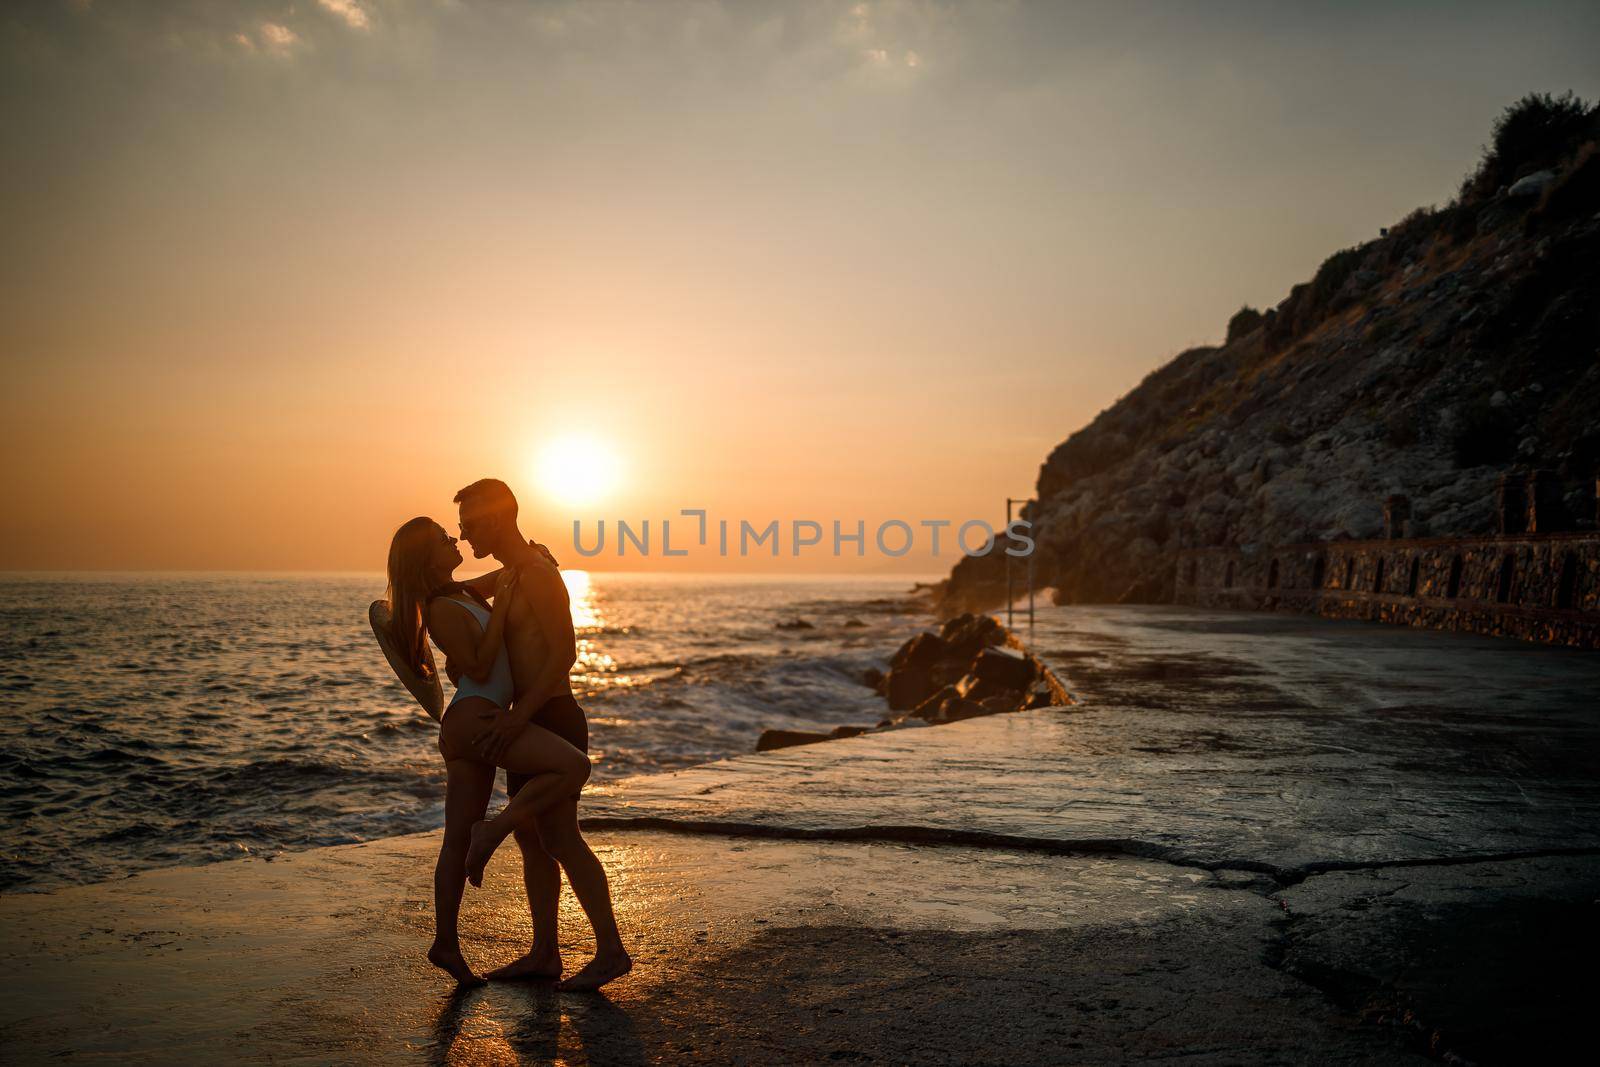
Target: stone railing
[1534,586]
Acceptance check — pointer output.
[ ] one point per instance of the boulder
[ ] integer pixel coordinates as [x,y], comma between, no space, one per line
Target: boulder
[958,709]
[873,678]
[923,650]
[949,671]
[795,624]
[1002,702]
[847,731]
[1533,185]
[967,635]
[771,739]
[995,671]
[902,722]
[951,625]
[972,687]
[1039,696]
[929,709]
[908,686]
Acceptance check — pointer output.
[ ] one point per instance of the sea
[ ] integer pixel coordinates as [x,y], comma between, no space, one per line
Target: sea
[150,720]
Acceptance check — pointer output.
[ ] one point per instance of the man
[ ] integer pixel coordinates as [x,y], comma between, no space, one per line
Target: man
[542,649]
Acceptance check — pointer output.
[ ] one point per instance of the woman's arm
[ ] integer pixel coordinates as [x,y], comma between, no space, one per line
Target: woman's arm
[483,584]
[474,651]
[493,641]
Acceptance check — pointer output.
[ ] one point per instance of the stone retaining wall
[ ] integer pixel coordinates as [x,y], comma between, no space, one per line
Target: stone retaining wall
[1537,587]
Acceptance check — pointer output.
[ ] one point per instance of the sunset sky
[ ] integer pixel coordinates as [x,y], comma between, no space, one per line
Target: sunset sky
[278,276]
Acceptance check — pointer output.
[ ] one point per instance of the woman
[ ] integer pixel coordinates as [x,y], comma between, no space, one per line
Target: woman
[424,599]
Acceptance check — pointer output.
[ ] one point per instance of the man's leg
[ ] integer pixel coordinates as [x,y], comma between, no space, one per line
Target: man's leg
[558,829]
[541,877]
[561,837]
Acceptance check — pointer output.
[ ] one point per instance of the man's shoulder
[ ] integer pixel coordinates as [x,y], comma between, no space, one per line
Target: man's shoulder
[540,576]
[539,564]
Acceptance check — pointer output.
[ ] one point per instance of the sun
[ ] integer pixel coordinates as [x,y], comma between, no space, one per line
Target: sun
[578,469]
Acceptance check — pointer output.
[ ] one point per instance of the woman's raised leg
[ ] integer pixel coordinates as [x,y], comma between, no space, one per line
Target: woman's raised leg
[468,784]
[555,770]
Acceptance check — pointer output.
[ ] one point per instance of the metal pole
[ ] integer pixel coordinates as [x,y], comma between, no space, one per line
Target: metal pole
[1030,596]
[1009,598]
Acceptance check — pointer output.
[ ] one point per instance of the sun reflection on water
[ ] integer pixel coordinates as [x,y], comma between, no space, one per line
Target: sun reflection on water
[585,606]
[595,668]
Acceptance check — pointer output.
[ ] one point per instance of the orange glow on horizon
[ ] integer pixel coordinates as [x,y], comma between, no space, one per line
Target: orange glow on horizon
[817,265]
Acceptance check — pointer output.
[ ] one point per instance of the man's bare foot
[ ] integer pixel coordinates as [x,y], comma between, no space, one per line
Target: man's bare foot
[597,972]
[478,852]
[532,967]
[453,963]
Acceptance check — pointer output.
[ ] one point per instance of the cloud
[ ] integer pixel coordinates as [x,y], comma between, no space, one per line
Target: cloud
[349,10]
[279,36]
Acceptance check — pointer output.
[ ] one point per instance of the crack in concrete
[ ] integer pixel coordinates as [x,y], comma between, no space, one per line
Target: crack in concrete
[1285,877]
[1297,875]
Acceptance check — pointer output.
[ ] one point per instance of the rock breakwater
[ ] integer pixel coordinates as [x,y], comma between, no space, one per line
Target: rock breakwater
[970,667]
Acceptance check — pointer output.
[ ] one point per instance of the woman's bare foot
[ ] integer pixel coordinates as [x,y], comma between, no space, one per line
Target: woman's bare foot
[453,963]
[535,965]
[478,852]
[597,972]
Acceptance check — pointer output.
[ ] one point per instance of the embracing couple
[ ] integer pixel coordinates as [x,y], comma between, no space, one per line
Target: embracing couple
[508,642]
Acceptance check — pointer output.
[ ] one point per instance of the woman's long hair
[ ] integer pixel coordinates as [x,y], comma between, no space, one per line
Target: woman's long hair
[409,590]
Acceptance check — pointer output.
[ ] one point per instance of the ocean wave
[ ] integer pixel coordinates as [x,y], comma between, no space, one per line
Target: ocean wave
[181,720]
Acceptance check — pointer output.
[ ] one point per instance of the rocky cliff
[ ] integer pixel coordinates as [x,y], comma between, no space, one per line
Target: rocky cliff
[1461,343]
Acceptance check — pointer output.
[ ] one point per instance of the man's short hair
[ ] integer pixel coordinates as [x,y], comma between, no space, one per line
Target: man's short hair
[491,494]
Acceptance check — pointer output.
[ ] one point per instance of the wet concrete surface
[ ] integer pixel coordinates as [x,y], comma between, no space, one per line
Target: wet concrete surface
[1259,839]
[748,951]
[1491,962]
[1214,738]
